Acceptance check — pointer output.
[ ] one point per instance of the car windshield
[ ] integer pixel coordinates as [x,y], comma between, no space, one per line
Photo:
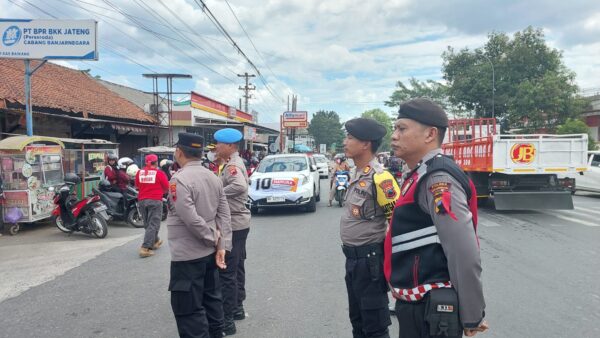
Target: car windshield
[321,159]
[282,164]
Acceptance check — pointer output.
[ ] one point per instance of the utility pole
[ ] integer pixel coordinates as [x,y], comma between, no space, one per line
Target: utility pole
[247,88]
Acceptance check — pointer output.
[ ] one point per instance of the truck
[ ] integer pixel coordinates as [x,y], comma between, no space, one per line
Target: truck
[520,172]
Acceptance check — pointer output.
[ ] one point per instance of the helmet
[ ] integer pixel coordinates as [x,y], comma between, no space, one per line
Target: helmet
[132,170]
[124,162]
[104,185]
[112,157]
[71,178]
[165,162]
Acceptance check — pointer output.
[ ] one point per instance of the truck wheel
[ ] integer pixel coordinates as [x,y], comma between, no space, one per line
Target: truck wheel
[483,202]
[134,218]
[319,195]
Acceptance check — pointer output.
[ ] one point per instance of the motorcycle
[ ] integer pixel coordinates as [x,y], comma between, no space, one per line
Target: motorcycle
[126,210]
[341,185]
[70,215]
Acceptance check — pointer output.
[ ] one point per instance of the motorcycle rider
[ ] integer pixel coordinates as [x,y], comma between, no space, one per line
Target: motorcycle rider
[111,170]
[165,166]
[340,165]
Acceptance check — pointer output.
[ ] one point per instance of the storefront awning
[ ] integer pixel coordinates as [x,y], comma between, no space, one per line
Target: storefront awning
[224,124]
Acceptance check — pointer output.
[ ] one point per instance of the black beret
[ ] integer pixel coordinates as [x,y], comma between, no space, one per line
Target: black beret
[190,140]
[365,129]
[425,111]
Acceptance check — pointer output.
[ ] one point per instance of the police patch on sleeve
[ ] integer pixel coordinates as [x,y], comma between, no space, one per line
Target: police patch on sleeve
[388,188]
[442,198]
[356,211]
[173,191]
[233,171]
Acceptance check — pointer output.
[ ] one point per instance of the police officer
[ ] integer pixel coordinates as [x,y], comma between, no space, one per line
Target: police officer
[199,233]
[370,198]
[432,251]
[235,183]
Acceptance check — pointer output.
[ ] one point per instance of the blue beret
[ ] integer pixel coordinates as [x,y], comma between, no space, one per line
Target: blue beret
[228,135]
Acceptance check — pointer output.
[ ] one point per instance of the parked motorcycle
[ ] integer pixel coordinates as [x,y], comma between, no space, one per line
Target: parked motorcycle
[341,185]
[124,206]
[87,215]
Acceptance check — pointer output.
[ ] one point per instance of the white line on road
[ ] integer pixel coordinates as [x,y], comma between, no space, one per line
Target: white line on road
[570,218]
[591,211]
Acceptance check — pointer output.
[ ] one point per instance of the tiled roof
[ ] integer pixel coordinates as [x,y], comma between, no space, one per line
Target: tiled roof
[69,90]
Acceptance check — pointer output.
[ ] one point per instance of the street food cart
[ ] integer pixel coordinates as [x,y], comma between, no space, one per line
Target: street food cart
[87,158]
[30,166]
[161,152]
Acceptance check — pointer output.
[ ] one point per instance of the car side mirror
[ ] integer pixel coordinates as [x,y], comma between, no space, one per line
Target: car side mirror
[313,168]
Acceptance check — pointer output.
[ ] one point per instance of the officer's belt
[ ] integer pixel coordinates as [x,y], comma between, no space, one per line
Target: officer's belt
[363,251]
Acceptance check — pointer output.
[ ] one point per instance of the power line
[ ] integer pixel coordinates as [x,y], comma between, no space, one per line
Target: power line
[249,39]
[220,27]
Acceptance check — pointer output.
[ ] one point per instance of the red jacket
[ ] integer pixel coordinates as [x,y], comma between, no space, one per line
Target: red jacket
[111,174]
[152,184]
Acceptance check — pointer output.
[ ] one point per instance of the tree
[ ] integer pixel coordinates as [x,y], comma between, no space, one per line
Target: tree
[383,118]
[429,89]
[326,128]
[533,88]
[575,126]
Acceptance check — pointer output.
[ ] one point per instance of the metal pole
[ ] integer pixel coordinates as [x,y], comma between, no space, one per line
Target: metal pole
[28,116]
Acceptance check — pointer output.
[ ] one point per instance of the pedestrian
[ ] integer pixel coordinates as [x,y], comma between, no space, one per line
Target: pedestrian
[370,198]
[199,226]
[152,184]
[432,260]
[235,184]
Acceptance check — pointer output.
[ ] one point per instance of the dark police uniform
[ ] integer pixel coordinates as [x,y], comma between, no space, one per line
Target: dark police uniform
[370,198]
[234,176]
[432,260]
[198,214]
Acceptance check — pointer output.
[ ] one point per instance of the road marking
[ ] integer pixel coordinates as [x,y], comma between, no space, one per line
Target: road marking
[570,219]
[592,211]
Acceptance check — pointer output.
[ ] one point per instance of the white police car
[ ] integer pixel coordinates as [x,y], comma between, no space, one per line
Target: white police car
[286,180]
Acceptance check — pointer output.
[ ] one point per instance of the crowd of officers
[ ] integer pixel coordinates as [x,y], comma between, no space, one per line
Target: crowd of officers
[207,223]
[416,239]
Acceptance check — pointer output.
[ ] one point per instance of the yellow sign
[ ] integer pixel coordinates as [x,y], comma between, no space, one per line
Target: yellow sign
[523,153]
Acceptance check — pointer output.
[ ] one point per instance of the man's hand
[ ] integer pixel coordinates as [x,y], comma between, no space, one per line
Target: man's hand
[481,328]
[220,259]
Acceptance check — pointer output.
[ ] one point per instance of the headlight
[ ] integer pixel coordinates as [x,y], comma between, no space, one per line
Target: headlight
[304,179]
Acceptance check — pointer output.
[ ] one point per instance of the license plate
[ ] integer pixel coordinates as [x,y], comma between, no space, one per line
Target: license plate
[100,209]
[274,199]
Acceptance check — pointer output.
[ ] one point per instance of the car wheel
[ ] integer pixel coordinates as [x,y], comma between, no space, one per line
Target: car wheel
[319,195]
[312,205]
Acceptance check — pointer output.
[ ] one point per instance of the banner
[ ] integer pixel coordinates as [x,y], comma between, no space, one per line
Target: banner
[48,39]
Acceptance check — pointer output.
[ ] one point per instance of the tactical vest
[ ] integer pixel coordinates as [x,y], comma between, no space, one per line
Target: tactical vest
[414,258]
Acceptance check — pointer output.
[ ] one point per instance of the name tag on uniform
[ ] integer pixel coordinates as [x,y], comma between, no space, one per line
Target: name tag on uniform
[147,176]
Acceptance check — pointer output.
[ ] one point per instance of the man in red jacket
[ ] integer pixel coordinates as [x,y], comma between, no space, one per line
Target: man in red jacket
[152,184]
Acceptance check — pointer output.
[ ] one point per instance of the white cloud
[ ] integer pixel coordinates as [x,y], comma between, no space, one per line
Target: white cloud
[343,55]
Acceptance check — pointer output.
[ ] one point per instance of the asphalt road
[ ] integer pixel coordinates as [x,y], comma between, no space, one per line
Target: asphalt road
[541,272]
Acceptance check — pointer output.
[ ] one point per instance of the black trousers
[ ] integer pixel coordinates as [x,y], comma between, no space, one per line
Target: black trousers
[411,319]
[196,298]
[367,297]
[233,278]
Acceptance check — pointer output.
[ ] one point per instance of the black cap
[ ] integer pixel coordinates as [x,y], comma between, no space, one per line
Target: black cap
[191,141]
[365,129]
[424,111]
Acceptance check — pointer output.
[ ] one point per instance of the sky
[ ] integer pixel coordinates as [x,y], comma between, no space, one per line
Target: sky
[344,55]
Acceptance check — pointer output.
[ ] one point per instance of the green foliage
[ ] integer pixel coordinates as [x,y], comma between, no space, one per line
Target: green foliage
[575,126]
[534,89]
[387,121]
[326,128]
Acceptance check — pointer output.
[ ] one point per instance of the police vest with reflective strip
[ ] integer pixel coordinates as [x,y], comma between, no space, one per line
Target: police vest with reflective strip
[414,259]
